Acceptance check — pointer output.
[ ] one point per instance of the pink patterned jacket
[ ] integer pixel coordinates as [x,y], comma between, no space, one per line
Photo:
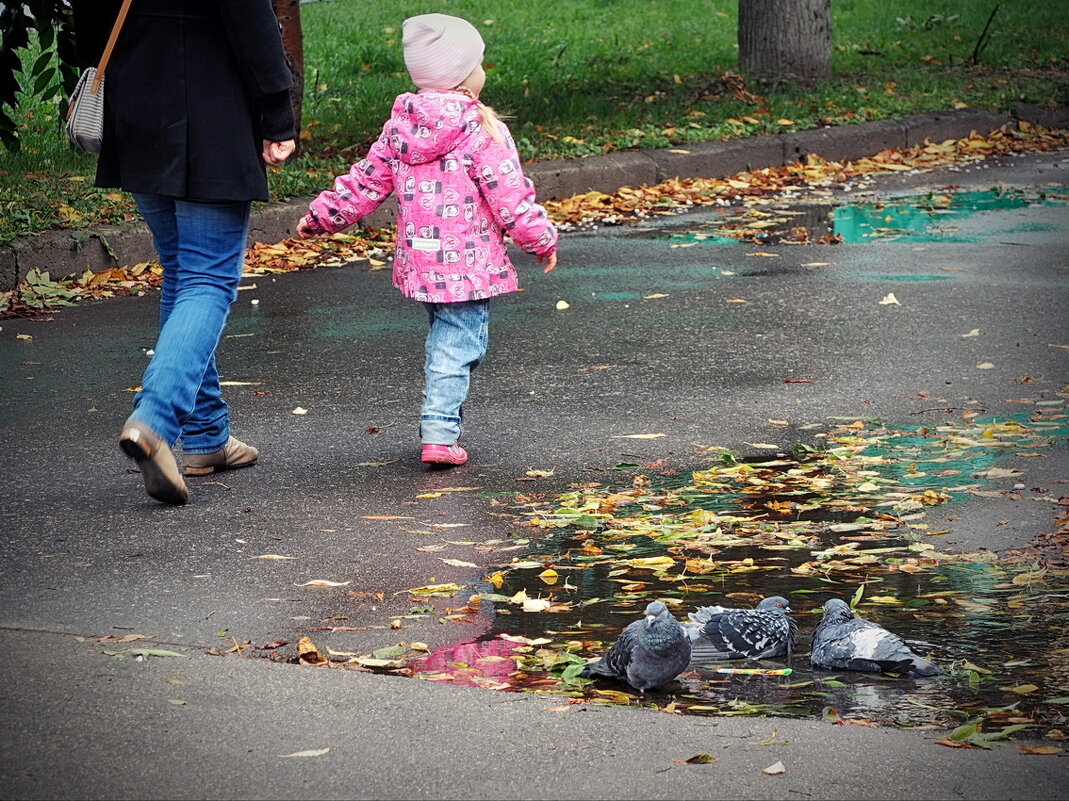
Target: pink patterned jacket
[459,192]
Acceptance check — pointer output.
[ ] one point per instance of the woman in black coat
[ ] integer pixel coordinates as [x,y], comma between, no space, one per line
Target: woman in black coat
[196,101]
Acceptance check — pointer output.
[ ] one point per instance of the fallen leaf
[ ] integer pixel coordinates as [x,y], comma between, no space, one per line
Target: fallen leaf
[315,753]
[890,300]
[974,333]
[433,589]
[299,410]
[459,563]
[562,305]
[1041,750]
[638,436]
[272,556]
[323,583]
[985,366]
[775,768]
[701,759]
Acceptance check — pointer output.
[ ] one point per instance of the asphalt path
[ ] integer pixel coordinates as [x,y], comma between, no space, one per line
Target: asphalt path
[705,344]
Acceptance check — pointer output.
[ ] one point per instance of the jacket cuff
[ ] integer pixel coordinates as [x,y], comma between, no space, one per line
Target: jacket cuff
[277,123]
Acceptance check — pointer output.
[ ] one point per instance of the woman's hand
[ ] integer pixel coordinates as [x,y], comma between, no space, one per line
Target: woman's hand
[277,152]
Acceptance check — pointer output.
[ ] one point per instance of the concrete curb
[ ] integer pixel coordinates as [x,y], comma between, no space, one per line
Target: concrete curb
[64,252]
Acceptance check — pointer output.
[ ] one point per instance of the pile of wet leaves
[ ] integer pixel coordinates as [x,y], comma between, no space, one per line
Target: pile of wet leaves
[849,520]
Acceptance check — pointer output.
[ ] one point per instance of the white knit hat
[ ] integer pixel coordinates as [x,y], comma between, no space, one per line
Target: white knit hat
[440,50]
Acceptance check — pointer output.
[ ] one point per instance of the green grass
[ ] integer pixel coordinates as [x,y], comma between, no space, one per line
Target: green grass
[586,77]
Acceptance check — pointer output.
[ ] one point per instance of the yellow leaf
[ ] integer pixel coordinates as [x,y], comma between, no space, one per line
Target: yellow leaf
[434,589]
[784,121]
[653,562]
[637,436]
[883,599]
[1023,689]
[299,410]
[562,305]
[272,556]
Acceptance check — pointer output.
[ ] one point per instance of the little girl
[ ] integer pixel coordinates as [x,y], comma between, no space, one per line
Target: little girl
[456,173]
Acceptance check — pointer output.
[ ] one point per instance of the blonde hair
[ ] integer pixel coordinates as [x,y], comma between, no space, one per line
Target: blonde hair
[488,118]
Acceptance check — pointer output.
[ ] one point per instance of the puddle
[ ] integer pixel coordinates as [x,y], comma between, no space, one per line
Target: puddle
[809,527]
[943,217]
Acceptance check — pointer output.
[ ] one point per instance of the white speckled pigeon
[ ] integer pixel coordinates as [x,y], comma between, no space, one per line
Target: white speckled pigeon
[649,652]
[844,642]
[719,632]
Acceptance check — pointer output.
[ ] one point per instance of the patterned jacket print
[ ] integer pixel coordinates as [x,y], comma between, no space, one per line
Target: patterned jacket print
[458,191]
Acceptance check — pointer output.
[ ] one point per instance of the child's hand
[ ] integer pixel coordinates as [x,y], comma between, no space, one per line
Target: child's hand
[550,260]
[304,230]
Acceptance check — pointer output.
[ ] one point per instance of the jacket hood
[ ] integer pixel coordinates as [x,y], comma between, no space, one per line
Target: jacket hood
[425,126]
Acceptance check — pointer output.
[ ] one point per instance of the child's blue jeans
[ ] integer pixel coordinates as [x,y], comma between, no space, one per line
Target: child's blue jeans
[202,250]
[456,344]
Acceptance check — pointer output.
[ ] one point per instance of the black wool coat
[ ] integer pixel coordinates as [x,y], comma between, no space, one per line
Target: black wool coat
[192,89]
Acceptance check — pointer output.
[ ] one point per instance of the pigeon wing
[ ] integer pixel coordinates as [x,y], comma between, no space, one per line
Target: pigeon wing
[615,661]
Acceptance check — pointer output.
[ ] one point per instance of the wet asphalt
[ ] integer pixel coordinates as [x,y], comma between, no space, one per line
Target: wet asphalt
[705,344]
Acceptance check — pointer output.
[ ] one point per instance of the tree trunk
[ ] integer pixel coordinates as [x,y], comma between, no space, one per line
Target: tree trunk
[289,17]
[785,39]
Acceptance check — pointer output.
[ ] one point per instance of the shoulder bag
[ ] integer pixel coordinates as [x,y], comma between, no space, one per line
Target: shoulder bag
[85,115]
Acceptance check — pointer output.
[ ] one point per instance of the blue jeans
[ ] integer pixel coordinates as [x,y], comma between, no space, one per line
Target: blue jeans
[202,250]
[456,344]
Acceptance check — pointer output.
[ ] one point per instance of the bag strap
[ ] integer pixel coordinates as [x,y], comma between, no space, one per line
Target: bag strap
[119,20]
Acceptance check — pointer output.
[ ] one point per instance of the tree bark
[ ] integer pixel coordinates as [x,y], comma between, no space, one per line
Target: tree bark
[785,39]
[289,18]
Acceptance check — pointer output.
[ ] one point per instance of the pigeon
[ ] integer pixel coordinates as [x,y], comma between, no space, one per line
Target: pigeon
[649,652]
[719,632]
[844,642]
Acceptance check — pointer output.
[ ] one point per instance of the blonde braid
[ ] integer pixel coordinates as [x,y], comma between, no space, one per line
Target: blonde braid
[487,116]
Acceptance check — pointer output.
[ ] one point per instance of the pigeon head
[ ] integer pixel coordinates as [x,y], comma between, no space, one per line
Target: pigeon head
[836,611]
[775,603]
[654,610]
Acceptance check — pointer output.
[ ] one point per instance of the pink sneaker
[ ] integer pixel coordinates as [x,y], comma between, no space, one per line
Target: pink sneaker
[444,454]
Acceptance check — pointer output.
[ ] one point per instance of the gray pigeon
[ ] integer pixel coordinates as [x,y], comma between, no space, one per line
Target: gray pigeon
[649,652]
[844,642]
[719,632]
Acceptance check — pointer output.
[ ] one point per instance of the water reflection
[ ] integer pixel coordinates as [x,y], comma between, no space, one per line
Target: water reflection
[930,217]
[808,529]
